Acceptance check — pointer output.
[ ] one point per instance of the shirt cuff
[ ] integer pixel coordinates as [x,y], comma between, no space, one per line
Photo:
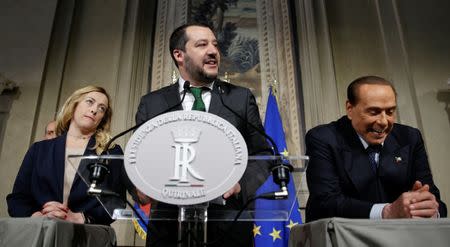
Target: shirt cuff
[377,211]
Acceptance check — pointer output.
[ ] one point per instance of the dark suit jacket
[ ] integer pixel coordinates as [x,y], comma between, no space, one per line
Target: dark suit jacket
[237,98]
[242,101]
[41,179]
[340,180]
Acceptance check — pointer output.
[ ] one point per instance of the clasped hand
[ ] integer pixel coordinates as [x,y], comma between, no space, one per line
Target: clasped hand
[417,203]
[58,210]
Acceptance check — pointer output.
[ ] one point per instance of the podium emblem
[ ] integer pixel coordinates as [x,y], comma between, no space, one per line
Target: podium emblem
[185,157]
[185,154]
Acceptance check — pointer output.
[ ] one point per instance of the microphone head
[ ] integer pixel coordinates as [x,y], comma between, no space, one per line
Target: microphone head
[186,86]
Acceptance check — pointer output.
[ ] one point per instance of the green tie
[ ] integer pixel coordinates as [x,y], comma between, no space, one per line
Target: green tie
[198,105]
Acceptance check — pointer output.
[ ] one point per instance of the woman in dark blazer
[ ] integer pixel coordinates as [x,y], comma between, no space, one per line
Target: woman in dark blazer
[48,185]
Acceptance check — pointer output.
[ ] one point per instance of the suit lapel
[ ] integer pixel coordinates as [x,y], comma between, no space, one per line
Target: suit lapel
[356,160]
[59,156]
[78,185]
[394,161]
[215,106]
[172,96]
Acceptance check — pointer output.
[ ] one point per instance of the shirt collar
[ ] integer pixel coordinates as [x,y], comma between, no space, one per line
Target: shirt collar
[181,84]
[364,143]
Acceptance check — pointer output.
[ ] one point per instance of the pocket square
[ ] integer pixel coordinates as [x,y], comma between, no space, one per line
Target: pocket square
[398,159]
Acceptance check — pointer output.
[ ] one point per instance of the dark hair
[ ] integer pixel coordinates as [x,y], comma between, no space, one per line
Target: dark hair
[352,89]
[178,38]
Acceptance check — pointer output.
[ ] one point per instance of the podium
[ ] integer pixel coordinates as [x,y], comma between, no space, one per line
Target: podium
[190,159]
[47,232]
[194,218]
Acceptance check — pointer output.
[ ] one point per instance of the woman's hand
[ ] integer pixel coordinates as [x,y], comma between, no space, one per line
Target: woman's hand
[37,214]
[75,217]
[55,209]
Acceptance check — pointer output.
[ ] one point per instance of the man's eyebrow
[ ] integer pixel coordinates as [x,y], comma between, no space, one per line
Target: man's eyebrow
[201,40]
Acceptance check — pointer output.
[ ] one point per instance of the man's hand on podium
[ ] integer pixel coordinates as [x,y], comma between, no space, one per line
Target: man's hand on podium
[425,204]
[417,203]
[233,191]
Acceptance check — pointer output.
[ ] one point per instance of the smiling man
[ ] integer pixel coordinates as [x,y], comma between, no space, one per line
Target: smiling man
[364,165]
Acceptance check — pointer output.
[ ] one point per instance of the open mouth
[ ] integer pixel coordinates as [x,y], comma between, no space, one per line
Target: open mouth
[377,131]
[211,62]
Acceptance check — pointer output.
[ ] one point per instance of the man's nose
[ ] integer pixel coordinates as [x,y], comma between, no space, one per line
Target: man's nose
[382,119]
[212,49]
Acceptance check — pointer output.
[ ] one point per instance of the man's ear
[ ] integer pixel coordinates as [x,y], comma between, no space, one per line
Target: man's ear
[349,109]
[178,55]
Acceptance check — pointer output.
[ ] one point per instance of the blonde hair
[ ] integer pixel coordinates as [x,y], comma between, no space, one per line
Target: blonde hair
[65,115]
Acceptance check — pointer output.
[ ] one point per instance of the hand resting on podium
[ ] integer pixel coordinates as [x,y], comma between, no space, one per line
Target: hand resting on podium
[58,210]
[417,203]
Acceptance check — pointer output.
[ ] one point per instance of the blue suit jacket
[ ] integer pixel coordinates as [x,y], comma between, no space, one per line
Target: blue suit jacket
[41,179]
[342,183]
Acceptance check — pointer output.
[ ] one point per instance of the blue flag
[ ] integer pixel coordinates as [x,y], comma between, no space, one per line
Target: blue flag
[275,233]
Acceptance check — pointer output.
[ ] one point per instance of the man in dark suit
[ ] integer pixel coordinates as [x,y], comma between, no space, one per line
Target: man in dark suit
[366,166]
[194,49]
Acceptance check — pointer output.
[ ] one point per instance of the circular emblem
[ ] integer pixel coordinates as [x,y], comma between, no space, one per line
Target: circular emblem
[185,157]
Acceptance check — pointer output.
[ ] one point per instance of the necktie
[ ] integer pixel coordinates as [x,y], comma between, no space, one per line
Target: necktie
[372,150]
[198,105]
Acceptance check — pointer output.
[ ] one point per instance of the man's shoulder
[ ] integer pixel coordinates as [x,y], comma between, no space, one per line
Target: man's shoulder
[329,128]
[404,128]
[338,133]
[161,91]
[228,87]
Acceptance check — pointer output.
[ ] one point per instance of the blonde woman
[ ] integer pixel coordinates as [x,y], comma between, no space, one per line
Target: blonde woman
[47,183]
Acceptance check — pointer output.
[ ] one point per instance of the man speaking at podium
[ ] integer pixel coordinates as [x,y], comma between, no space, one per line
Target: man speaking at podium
[366,166]
[194,49]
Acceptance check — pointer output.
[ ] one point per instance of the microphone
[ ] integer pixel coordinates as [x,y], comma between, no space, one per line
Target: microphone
[99,169]
[280,170]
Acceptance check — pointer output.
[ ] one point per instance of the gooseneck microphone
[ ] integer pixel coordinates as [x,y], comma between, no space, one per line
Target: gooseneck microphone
[99,169]
[280,170]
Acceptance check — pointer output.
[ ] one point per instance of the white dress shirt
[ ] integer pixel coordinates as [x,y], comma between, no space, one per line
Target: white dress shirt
[377,209]
[189,99]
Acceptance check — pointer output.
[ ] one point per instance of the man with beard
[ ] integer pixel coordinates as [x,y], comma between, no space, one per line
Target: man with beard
[366,166]
[194,49]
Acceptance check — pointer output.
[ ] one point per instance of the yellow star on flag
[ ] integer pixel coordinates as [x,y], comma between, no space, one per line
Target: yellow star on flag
[291,224]
[256,230]
[285,153]
[275,234]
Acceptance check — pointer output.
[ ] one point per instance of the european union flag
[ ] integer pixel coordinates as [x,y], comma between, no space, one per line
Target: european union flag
[275,233]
